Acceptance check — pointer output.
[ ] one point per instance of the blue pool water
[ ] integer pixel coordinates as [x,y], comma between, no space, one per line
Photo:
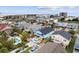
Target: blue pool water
[17,40]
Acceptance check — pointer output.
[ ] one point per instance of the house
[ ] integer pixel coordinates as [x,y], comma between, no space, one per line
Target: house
[42,17]
[62,24]
[35,27]
[61,37]
[73,26]
[28,26]
[18,17]
[5,27]
[53,20]
[69,18]
[51,47]
[44,32]
[31,16]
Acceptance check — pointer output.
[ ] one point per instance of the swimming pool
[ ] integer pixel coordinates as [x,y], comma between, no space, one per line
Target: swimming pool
[17,40]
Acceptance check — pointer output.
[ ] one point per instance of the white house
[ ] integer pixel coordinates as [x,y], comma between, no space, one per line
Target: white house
[69,18]
[73,26]
[61,37]
[28,26]
[53,20]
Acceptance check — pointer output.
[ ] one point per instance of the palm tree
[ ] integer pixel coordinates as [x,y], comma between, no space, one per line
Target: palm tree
[4,50]
[3,35]
[0,45]
[50,39]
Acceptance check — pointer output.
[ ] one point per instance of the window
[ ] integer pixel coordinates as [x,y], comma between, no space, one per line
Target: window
[65,40]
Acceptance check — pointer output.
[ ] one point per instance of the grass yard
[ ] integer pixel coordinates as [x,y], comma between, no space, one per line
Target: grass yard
[70,47]
[71,21]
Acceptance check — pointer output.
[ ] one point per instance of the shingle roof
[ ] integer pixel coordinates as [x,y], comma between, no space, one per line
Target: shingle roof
[64,34]
[51,47]
[46,30]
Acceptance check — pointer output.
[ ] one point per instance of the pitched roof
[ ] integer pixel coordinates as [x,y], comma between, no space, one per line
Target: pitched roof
[51,47]
[64,34]
[4,26]
[46,30]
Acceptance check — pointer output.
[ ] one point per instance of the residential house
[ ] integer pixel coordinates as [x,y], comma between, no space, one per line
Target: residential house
[51,47]
[44,32]
[62,24]
[5,27]
[2,16]
[73,26]
[62,37]
[53,20]
[31,18]
[42,17]
[28,27]
[69,18]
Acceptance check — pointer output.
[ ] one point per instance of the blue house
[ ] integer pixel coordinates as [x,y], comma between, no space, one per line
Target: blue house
[44,32]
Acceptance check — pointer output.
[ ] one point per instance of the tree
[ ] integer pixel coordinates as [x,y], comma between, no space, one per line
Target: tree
[69,19]
[22,44]
[25,35]
[3,35]
[76,19]
[52,25]
[5,44]
[72,32]
[0,45]
[9,44]
[50,39]
[62,19]
[15,29]
[4,50]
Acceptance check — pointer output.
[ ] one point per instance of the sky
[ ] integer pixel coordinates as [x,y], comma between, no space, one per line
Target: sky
[71,10]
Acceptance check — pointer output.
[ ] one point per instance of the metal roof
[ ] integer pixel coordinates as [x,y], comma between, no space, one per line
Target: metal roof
[64,34]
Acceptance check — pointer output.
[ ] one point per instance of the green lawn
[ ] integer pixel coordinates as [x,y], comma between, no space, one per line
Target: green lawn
[70,47]
[70,21]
